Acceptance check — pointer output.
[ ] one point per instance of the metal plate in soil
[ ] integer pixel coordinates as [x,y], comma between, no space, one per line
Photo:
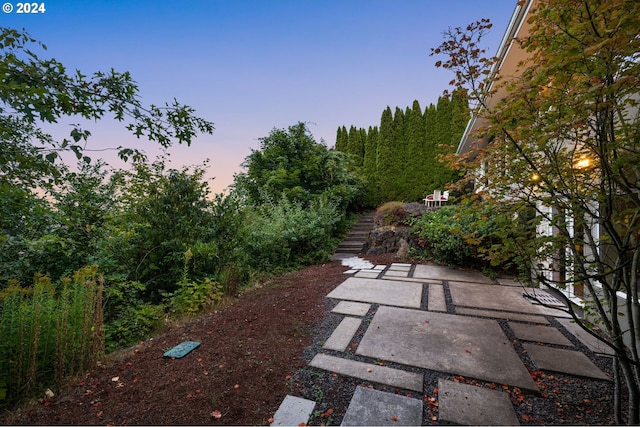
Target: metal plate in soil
[182,349]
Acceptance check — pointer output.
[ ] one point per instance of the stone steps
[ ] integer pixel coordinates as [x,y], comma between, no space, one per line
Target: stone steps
[356,238]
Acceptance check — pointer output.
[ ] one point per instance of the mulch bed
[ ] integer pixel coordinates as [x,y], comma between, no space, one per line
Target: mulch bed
[253,353]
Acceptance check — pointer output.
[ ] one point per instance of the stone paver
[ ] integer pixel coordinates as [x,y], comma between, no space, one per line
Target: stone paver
[368,372]
[342,335]
[400,266]
[293,411]
[502,315]
[508,282]
[565,361]
[368,274]
[505,298]
[436,301]
[590,341]
[464,404]
[389,409]
[537,333]
[408,279]
[475,347]
[403,294]
[351,308]
[396,273]
[356,263]
[441,342]
[445,273]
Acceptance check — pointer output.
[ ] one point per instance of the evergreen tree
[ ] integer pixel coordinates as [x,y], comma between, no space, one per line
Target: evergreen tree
[342,139]
[452,116]
[460,114]
[400,157]
[355,146]
[337,145]
[428,165]
[416,145]
[385,154]
[369,167]
[363,139]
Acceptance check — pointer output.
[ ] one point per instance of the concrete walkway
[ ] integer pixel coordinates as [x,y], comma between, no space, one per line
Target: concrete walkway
[430,319]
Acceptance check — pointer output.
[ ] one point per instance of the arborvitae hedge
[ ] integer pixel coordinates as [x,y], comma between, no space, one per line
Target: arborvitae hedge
[399,159]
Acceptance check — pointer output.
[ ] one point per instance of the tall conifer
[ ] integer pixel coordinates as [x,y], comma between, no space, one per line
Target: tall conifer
[342,139]
[385,154]
[369,167]
[400,159]
[355,145]
[429,153]
[416,147]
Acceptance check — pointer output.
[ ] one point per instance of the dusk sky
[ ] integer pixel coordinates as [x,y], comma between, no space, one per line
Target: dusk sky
[253,65]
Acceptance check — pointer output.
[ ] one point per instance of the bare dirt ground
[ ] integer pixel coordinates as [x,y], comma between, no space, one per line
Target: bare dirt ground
[239,375]
[253,353]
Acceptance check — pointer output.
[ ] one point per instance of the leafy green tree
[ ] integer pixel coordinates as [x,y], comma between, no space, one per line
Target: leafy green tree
[57,235]
[163,213]
[291,163]
[564,143]
[35,91]
[83,203]
[24,220]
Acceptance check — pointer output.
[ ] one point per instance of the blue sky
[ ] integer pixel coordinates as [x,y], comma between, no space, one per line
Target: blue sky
[253,65]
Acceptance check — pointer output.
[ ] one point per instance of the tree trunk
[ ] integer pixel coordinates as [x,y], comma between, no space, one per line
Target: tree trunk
[634,393]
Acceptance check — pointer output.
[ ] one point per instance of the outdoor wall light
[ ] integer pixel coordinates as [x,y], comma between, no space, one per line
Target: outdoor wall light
[535,178]
[582,163]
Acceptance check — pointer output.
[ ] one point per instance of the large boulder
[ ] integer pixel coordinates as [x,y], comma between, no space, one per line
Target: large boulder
[389,239]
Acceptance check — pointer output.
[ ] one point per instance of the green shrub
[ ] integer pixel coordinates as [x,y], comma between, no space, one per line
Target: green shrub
[133,324]
[192,297]
[49,332]
[286,234]
[440,236]
[128,318]
[469,235]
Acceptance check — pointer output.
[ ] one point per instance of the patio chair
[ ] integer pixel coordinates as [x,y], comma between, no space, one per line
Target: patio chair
[436,197]
[445,196]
